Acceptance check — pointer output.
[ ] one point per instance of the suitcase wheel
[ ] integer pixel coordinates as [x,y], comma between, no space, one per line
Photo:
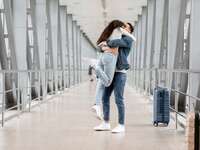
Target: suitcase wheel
[155,124]
[166,123]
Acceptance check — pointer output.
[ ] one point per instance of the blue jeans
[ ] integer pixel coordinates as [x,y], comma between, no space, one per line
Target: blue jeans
[117,85]
[105,70]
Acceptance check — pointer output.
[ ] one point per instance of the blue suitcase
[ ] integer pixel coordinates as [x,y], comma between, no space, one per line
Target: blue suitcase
[161,113]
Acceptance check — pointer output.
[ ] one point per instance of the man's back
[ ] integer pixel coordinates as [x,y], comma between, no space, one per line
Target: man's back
[124,44]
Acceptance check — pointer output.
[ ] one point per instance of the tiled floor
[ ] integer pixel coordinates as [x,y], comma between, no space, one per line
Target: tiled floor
[66,123]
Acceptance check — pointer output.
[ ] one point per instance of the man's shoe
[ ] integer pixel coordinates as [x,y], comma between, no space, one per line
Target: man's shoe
[103,127]
[119,129]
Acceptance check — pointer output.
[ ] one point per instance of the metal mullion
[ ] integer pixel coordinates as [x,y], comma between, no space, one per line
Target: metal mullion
[49,43]
[152,45]
[80,56]
[68,50]
[80,48]
[77,53]
[73,53]
[9,22]
[59,48]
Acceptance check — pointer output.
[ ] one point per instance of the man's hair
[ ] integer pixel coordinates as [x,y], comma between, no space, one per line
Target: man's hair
[131,27]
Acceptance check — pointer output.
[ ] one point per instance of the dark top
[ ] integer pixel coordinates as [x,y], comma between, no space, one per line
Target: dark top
[124,44]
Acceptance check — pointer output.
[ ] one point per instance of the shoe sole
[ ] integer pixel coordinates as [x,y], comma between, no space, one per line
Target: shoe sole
[93,110]
[99,118]
[101,130]
[117,132]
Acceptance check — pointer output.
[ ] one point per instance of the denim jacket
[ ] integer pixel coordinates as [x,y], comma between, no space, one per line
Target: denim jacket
[124,44]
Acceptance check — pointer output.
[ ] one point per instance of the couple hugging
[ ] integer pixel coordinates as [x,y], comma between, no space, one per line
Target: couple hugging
[115,44]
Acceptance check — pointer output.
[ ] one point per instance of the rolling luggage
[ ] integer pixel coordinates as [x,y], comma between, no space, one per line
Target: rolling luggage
[161,113]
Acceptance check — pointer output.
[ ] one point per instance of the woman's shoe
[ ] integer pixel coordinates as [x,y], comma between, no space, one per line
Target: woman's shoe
[94,108]
[104,126]
[97,109]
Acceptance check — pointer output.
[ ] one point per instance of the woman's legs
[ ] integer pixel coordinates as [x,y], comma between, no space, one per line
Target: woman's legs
[99,92]
[105,125]
[105,71]
[105,65]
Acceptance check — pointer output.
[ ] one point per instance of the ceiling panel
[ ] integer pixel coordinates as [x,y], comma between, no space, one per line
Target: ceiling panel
[93,15]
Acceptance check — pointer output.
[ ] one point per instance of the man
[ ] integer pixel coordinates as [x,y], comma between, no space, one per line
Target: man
[118,83]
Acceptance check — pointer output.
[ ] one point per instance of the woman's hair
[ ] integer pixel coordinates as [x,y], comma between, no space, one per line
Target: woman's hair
[109,29]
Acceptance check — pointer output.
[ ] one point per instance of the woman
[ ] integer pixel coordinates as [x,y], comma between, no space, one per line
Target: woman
[105,68]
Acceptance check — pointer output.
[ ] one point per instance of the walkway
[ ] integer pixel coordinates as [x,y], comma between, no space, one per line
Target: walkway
[66,123]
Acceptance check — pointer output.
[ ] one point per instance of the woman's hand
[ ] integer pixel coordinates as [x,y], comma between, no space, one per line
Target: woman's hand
[102,44]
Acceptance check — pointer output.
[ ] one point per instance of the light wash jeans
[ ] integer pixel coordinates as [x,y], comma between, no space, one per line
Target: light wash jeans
[99,92]
[105,70]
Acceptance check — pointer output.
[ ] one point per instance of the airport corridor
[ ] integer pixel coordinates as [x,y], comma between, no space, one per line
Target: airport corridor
[66,122]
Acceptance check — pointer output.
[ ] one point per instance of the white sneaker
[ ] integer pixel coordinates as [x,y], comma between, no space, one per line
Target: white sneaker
[94,108]
[97,109]
[119,129]
[103,127]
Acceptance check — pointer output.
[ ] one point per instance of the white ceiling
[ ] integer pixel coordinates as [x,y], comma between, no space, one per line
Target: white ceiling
[93,15]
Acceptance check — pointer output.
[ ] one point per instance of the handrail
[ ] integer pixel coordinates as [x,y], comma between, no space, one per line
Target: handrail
[171,71]
[44,70]
[26,103]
